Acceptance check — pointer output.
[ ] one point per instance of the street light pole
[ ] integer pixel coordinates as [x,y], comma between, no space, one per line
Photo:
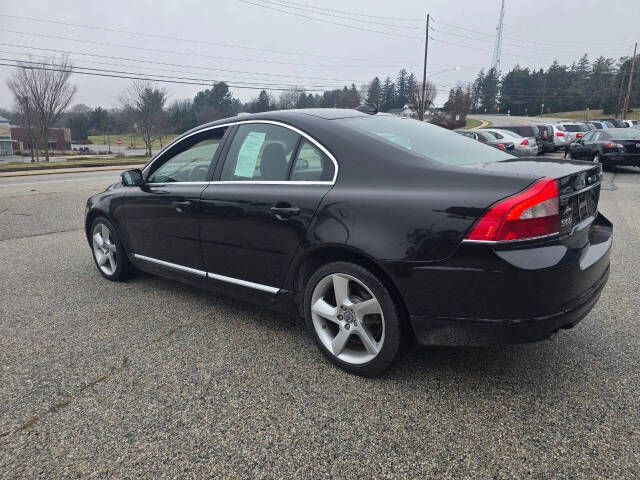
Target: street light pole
[626,100]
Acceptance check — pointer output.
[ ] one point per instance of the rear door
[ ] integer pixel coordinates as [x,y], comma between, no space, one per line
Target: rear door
[257,212]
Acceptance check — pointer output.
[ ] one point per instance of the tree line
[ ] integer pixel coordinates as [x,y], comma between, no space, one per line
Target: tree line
[597,84]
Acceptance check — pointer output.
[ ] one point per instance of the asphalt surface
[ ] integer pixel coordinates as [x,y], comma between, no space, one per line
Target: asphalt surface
[153,379]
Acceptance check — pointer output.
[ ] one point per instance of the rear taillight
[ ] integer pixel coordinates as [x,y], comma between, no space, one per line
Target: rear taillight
[613,145]
[559,134]
[578,135]
[501,146]
[524,142]
[535,212]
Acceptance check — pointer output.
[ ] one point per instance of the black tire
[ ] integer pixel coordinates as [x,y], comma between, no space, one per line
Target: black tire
[395,326]
[124,269]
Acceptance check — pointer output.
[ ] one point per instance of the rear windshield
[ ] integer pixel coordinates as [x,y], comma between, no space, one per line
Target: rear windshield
[426,140]
[576,128]
[620,134]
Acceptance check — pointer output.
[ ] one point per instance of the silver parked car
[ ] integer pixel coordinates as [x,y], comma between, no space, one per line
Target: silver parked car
[560,137]
[524,146]
[574,130]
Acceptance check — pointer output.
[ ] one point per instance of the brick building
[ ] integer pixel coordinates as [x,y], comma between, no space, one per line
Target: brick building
[5,137]
[59,139]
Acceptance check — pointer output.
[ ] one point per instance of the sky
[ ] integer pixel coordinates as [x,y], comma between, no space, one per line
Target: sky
[324,44]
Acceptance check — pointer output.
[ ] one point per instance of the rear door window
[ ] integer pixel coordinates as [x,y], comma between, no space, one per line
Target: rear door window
[260,152]
[312,164]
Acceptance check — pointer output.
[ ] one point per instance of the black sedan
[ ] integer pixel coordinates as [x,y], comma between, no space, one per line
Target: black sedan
[612,146]
[371,227]
[486,137]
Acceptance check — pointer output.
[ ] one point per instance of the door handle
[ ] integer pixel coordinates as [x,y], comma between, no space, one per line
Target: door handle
[284,211]
[182,207]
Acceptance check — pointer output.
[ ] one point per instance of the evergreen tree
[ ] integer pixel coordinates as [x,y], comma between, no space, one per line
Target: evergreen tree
[374,92]
[490,86]
[402,95]
[388,96]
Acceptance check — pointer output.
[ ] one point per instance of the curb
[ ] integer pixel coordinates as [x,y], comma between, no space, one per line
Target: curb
[20,173]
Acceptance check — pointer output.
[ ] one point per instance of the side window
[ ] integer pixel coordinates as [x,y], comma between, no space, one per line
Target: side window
[587,137]
[188,160]
[596,136]
[312,165]
[260,152]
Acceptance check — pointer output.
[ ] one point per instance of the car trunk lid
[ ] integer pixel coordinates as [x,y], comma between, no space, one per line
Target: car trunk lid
[578,185]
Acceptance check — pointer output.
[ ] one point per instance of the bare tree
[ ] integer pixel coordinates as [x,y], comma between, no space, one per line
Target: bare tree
[42,93]
[421,102]
[144,104]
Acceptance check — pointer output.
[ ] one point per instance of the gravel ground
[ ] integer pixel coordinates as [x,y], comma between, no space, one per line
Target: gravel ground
[150,378]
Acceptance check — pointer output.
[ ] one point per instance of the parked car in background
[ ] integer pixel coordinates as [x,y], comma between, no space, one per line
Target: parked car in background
[628,123]
[589,126]
[560,137]
[373,228]
[526,131]
[600,124]
[524,147]
[574,130]
[546,137]
[614,122]
[489,139]
[613,146]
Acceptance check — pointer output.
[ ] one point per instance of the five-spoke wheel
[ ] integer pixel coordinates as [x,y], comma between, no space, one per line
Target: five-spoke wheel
[353,318]
[108,252]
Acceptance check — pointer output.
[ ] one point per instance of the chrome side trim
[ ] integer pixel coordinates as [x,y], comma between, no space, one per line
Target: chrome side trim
[508,242]
[202,273]
[272,122]
[175,266]
[243,283]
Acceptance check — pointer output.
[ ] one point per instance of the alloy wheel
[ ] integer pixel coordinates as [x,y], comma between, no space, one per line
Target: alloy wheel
[347,318]
[104,249]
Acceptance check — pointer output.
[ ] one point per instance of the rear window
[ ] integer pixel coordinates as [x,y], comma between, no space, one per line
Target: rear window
[576,128]
[426,140]
[620,134]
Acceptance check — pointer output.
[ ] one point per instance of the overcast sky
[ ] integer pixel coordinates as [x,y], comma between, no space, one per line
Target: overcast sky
[312,51]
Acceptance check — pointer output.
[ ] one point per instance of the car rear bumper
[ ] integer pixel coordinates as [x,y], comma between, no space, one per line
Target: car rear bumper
[487,294]
[622,159]
[464,331]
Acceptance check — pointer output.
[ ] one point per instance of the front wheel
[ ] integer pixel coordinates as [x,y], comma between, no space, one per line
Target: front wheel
[108,252]
[353,318]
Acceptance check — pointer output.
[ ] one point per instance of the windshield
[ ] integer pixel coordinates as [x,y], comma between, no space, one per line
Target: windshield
[631,134]
[426,140]
[508,133]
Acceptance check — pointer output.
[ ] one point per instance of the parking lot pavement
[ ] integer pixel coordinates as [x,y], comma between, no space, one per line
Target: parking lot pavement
[151,378]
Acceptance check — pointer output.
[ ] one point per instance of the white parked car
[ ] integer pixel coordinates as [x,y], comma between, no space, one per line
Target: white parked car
[524,146]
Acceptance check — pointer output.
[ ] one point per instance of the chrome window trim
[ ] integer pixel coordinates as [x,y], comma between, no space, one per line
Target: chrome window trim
[241,122]
[214,276]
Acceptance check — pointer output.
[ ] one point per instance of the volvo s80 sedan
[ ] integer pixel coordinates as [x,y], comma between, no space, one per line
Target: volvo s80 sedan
[373,228]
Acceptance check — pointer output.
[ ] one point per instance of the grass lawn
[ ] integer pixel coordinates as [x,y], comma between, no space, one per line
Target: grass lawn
[75,162]
[129,139]
[472,123]
[580,115]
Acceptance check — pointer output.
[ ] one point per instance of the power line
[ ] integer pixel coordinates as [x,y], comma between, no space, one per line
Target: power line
[178,52]
[404,19]
[355,27]
[179,64]
[191,40]
[285,4]
[209,80]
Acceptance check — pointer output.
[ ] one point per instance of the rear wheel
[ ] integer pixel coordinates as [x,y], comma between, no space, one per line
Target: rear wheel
[353,318]
[108,252]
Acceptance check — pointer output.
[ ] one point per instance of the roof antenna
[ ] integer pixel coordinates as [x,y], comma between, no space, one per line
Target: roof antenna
[367,108]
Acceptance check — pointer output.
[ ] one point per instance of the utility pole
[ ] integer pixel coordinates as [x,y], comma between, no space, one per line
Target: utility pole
[423,99]
[626,100]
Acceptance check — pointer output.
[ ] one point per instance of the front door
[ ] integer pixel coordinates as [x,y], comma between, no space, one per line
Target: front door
[162,214]
[257,213]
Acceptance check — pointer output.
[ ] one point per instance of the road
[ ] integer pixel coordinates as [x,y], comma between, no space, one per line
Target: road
[504,120]
[150,378]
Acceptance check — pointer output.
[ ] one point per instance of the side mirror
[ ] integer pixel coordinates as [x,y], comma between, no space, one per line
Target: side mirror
[132,178]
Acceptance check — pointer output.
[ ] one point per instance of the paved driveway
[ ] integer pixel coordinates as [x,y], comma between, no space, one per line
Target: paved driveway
[150,378]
